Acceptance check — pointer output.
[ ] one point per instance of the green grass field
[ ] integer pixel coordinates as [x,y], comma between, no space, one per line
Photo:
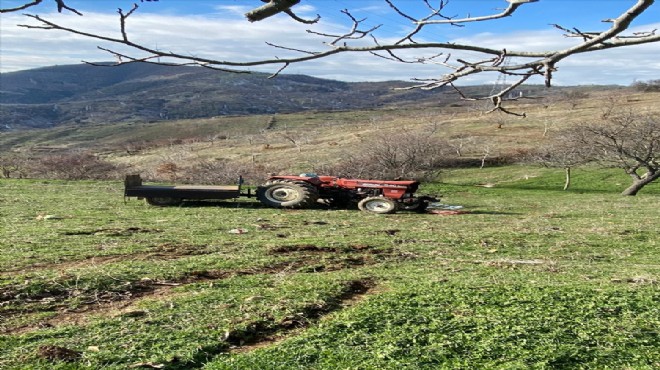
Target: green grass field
[528,277]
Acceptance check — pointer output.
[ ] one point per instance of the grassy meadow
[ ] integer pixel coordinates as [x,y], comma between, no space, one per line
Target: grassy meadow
[528,277]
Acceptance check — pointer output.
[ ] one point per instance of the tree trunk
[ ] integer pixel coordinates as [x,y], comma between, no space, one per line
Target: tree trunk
[638,184]
[567,183]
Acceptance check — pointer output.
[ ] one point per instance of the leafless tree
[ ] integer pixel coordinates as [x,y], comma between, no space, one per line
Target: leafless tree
[562,152]
[547,124]
[486,153]
[647,86]
[460,142]
[358,39]
[213,137]
[133,147]
[499,119]
[75,165]
[255,138]
[628,140]
[222,171]
[573,97]
[13,165]
[298,137]
[404,154]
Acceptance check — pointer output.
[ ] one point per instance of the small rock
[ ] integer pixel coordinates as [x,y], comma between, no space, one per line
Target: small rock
[48,217]
[238,231]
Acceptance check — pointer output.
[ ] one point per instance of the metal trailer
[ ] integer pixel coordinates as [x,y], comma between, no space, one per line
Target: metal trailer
[172,195]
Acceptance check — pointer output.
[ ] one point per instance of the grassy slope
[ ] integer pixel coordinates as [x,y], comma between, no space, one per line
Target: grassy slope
[531,277]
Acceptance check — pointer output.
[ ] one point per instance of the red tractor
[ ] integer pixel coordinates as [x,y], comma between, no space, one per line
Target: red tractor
[302,191]
[374,196]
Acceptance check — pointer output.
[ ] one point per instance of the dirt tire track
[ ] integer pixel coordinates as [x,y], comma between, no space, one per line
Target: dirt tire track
[104,303]
[269,332]
[167,251]
[112,301]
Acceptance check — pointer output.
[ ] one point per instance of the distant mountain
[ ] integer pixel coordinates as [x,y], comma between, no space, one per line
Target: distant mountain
[52,96]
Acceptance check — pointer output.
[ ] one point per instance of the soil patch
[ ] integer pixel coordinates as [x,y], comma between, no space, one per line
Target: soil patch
[162,251]
[55,353]
[112,231]
[358,248]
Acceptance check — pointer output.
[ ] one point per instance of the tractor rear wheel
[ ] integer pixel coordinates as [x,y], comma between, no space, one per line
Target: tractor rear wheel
[287,194]
[380,205]
[164,201]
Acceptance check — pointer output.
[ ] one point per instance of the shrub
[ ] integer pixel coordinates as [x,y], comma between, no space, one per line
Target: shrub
[222,171]
[168,169]
[13,165]
[75,166]
[406,154]
[648,86]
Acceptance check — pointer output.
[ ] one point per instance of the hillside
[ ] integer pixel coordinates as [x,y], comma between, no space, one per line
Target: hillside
[217,148]
[255,145]
[84,94]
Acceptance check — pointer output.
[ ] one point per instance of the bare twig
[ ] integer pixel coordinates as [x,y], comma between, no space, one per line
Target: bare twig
[513,6]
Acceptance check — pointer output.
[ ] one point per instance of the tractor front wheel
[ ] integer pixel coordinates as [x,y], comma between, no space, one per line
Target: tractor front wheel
[380,205]
[284,194]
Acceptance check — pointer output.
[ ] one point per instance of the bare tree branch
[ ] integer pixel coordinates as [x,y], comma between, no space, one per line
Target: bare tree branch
[60,6]
[21,7]
[520,63]
[305,21]
[274,7]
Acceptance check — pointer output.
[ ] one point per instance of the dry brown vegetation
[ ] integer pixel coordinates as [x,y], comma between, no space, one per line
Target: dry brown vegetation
[217,150]
[328,141]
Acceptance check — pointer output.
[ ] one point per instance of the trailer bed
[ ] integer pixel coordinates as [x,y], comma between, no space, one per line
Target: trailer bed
[164,195]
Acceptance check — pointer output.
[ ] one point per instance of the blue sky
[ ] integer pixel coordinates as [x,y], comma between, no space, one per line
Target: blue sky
[217,28]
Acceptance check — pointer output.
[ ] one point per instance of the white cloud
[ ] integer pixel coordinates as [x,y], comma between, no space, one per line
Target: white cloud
[231,9]
[217,37]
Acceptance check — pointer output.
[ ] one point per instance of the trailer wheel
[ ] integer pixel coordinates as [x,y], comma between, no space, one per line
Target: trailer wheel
[286,194]
[380,205]
[164,201]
